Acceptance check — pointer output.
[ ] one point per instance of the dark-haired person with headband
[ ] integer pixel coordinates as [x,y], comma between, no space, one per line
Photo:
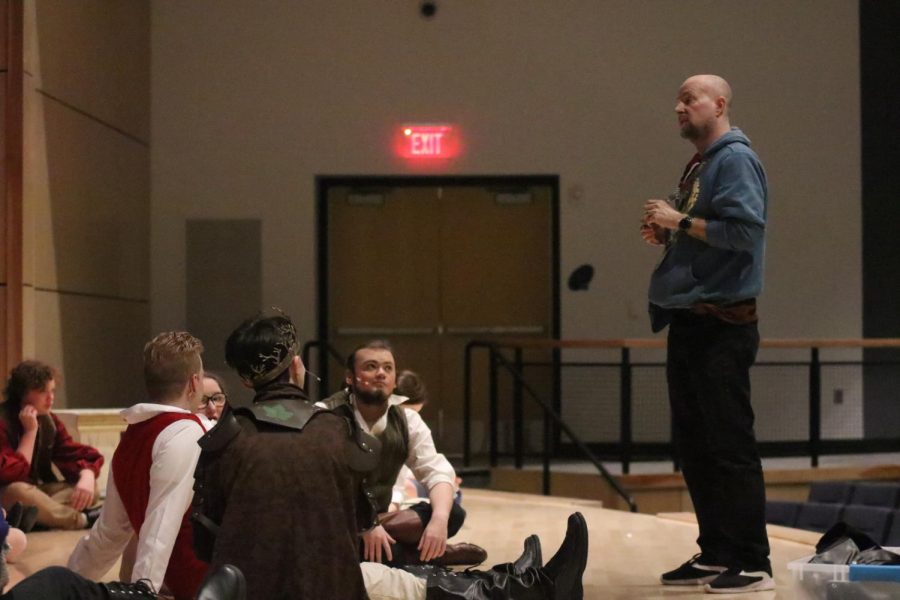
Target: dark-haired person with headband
[32,441]
[280,483]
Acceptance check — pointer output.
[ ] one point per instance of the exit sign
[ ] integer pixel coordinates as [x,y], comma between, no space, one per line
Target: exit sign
[427,141]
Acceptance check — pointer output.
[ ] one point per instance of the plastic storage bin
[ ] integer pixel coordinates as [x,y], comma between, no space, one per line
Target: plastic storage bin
[810,581]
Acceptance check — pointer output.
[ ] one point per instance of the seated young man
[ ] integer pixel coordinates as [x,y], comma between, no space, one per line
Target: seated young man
[32,440]
[151,481]
[417,534]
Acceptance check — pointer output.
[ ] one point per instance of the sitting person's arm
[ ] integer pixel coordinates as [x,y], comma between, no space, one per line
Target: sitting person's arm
[97,552]
[436,473]
[14,464]
[434,539]
[79,463]
[429,466]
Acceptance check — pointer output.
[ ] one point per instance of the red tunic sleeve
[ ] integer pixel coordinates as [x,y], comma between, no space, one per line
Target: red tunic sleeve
[13,466]
[72,457]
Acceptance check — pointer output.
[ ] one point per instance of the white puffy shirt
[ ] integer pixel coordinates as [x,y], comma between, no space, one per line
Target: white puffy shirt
[174,455]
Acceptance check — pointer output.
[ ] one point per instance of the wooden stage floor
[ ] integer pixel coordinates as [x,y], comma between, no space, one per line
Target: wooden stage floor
[627,551]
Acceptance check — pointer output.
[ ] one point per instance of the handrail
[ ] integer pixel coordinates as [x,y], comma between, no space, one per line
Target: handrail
[814,345]
[660,343]
[496,359]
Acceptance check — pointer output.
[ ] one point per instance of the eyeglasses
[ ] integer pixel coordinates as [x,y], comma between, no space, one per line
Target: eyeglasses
[216,399]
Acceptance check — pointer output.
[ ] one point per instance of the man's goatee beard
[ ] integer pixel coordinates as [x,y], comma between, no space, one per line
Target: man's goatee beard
[370,398]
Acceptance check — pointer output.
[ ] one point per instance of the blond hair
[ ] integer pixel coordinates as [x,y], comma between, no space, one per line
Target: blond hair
[170,359]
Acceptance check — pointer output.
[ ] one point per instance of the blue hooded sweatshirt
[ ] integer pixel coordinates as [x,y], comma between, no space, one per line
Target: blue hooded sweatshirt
[730,193]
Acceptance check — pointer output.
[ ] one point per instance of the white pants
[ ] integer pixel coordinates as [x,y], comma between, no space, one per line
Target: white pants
[384,583]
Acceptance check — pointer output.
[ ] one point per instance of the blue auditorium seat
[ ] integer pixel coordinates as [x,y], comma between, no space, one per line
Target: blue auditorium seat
[885,495]
[830,492]
[819,516]
[893,534]
[782,512]
[874,521]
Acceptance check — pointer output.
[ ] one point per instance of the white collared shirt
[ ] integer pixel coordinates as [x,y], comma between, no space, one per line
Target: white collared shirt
[174,455]
[428,465]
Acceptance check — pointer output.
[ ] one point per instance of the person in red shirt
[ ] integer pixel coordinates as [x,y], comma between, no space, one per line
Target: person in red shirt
[32,440]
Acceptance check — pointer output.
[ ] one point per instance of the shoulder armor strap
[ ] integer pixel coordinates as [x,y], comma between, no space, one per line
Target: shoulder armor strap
[221,434]
[341,398]
[290,414]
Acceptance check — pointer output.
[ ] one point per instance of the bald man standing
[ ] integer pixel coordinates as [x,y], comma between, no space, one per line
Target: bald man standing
[712,229]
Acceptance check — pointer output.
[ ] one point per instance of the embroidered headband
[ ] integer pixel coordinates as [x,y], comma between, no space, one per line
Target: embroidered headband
[269,365]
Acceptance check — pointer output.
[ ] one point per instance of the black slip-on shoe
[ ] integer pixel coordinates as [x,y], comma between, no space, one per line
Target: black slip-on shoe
[693,572]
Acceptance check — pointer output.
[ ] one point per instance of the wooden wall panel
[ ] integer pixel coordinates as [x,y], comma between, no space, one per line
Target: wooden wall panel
[85,222]
[90,204]
[11,176]
[4,34]
[4,222]
[96,343]
[94,55]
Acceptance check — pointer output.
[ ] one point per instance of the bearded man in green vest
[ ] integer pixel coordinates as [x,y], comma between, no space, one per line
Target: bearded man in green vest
[417,534]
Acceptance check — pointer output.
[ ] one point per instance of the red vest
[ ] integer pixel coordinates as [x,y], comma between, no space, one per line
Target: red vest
[131,473]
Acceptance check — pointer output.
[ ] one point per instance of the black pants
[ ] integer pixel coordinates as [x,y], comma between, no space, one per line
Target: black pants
[708,372]
[454,522]
[56,583]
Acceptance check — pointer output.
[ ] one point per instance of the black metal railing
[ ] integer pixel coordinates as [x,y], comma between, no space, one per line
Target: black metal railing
[625,449]
[551,418]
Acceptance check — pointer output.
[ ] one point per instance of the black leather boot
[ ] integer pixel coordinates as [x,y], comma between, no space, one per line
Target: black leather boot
[559,580]
[566,568]
[531,557]
[225,582]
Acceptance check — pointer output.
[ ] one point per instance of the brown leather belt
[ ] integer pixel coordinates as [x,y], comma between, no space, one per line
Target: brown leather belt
[739,313]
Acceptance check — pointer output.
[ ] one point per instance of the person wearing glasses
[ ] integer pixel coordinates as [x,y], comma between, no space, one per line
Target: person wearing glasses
[214,396]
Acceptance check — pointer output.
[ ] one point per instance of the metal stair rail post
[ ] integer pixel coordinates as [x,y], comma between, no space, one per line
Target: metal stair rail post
[554,417]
